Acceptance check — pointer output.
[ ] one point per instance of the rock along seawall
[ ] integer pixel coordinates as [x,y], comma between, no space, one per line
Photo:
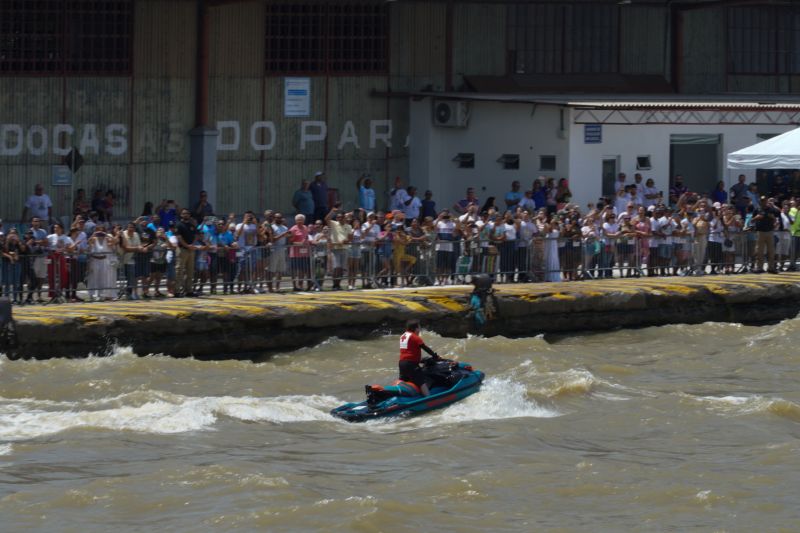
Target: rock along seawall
[224,327]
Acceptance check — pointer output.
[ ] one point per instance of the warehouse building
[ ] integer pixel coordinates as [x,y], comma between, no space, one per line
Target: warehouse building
[159,99]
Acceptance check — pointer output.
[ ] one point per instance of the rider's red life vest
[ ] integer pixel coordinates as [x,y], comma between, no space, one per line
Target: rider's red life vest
[410,347]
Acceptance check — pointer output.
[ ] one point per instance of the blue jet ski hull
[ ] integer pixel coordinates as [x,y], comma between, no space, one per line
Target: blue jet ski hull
[459,381]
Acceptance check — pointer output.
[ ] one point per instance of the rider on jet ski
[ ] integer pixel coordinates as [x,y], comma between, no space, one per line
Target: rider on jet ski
[411,346]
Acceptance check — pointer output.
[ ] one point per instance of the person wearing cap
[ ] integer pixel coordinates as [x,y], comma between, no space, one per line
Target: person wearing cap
[319,193]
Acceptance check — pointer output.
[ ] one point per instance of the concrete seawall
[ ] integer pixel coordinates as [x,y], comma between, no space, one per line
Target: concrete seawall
[221,327]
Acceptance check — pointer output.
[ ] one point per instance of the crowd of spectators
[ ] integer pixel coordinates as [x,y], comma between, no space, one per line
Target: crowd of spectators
[535,234]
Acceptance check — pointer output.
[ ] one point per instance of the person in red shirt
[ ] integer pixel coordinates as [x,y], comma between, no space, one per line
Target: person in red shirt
[411,346]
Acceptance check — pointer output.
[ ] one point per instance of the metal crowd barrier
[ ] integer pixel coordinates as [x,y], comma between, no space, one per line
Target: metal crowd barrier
[399,262]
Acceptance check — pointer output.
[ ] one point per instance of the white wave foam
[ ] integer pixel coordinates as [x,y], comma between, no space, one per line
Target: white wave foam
[5,449]
[164,413]
[498,398]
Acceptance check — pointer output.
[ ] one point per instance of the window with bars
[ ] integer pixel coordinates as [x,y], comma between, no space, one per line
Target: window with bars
[323,37]
[763,40]
[564,38]
[65,36]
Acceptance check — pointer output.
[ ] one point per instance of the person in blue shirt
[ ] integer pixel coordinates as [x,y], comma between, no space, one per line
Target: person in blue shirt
[167,212]
[514,196]
[719,194]
[539,195]
[303,201]
[221,260]
[366,194]
[428,206]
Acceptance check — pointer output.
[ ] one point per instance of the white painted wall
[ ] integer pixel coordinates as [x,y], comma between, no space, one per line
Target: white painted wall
[497,128]
[630,141]
[494,129]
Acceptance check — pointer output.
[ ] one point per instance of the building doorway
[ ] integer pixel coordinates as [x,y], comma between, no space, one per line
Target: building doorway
[610,170]
[696,158]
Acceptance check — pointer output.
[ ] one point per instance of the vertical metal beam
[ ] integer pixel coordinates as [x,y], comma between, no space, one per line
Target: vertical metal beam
[203,138]
[448,46]
[202,74]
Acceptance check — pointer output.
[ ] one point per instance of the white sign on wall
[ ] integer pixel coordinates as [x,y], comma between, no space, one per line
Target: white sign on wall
[297,97]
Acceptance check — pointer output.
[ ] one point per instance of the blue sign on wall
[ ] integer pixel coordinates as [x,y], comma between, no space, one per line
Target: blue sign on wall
[62,176]
[592,133]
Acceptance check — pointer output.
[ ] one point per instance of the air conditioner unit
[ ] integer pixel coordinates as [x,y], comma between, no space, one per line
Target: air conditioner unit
[450,113]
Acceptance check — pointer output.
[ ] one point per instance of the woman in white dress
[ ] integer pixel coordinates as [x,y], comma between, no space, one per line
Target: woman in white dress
[552,266]
[102,276]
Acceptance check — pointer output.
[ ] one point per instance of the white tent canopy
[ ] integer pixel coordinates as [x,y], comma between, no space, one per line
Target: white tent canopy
[781,152]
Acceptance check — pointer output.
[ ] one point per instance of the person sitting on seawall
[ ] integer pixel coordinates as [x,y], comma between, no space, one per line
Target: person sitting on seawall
[411,346]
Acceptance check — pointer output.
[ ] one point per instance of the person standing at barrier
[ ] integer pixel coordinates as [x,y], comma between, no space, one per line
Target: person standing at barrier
[784,240]
[702,228]
[445,260]
[526,230]
[77,260]
[185,231]
[102,275]
[764,221]
[732,223]
[246,235]
[158,260]
[794,228]
[57,273]
[642,225]
[131,245]
[340,232]
[299,254]
[277,258]
[13,250]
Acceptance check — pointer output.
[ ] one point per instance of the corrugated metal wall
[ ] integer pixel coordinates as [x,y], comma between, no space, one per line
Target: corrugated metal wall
[486,56]
[643,39]
[703,51]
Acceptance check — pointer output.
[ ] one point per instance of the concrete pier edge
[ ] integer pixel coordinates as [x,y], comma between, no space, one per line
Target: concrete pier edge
[253,326]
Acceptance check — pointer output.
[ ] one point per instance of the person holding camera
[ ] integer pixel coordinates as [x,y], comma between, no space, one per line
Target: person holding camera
[764,220]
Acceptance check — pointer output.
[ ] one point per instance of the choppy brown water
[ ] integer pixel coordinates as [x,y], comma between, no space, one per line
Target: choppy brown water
[671,428]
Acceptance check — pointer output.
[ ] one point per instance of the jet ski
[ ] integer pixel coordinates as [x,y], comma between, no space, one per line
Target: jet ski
[452,381]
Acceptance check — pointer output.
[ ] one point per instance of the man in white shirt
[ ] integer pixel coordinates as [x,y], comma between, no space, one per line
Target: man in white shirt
[470,216]
[620,183]
[277,258]
[412,204]
[38,205]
